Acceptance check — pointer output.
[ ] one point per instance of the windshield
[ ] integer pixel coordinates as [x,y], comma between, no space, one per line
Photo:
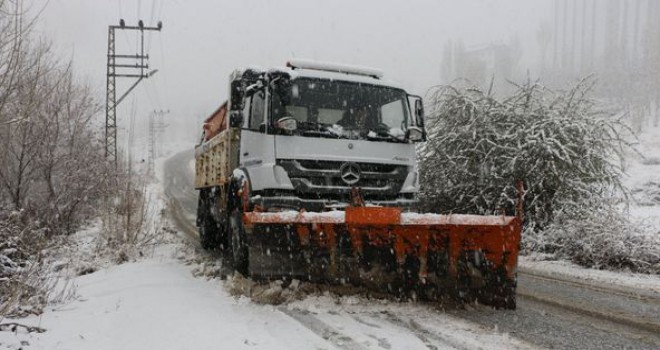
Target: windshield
[340,109]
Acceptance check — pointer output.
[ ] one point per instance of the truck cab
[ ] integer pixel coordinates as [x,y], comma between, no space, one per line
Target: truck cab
[311,132]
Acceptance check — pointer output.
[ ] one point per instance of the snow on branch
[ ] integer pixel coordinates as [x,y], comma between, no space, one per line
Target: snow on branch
[565,149]
[13,326]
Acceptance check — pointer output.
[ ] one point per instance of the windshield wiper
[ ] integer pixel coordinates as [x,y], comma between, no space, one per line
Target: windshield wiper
[383,135]
[321,133]
[318,129]
[388,138]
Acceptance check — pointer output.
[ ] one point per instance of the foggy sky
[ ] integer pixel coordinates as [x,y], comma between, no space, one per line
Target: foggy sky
[203,41]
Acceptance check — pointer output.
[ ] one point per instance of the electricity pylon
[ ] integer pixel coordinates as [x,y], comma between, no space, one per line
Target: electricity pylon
[129,66]
[156,128]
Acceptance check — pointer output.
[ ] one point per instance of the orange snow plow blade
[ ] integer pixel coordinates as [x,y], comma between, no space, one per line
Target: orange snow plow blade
[470,256]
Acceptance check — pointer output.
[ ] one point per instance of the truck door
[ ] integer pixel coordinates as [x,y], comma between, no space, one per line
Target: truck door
[257,148]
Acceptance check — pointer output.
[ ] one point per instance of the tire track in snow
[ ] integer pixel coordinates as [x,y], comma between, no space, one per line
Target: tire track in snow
[322,329]
[177,211]
[424,334]
[345,341]
[429,345]
[180,219]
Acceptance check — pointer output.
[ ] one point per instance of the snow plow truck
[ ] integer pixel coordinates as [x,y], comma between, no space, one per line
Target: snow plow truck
[309,171]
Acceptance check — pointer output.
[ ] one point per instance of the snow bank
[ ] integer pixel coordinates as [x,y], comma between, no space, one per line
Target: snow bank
[623,280]
[158,304]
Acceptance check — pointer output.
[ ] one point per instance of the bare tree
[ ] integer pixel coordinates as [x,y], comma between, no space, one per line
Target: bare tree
[14,29]
[21,143]
[53,172]
[70,161]
[52,163]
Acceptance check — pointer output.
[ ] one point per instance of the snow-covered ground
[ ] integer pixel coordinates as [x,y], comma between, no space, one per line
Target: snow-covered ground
[643,177]
[639,282]
[165,301]
[162,298]
[157,303]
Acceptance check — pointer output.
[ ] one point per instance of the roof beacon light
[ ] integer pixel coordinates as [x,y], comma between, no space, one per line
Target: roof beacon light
[334,67]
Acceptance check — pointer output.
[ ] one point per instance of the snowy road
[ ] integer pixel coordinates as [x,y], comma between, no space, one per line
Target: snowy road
[157,303]
[552,312]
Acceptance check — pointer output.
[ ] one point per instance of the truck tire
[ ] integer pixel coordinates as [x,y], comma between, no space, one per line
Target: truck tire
[237,236]
[504,296]
[239,246]
[206,234]
[207,225]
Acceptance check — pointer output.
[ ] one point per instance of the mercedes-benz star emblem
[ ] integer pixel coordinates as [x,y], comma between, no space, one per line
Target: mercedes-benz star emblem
[350,173]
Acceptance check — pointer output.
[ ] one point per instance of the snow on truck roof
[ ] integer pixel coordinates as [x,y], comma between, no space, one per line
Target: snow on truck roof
[304,68]
[334,67]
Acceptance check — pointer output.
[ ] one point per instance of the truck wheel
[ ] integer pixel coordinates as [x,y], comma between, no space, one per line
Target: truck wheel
[504,292]
[207,226]
[238,243]
[206,234]
[223,237]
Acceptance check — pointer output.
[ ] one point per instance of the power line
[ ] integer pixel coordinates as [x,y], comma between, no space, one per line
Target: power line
[151,20]
[121,15]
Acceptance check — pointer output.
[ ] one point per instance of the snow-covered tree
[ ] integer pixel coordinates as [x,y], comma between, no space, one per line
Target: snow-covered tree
[565,150]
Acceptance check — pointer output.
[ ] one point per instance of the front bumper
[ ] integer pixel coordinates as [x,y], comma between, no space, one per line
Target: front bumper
[292,202]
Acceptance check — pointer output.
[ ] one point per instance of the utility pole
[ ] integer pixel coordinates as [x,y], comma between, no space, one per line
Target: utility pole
[156,128]
[122,66]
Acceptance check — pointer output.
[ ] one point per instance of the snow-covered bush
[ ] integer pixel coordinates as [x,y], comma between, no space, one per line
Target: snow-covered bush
[24,282]
[131,217]
[603,239]
[564,149]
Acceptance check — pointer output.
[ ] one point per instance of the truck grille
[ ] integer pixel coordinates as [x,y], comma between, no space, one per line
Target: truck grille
[323,179]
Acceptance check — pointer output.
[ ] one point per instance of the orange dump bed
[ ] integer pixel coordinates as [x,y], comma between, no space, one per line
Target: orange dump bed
[217,122]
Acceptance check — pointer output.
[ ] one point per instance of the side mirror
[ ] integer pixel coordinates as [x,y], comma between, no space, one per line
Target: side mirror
[418,128]
[237,93]
[235,119]
[415,134]
[419,112]
[287,123]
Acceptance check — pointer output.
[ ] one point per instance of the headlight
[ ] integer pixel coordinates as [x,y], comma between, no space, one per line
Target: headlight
[287,123]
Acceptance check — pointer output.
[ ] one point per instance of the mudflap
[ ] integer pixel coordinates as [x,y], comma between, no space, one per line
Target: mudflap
[466,257]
